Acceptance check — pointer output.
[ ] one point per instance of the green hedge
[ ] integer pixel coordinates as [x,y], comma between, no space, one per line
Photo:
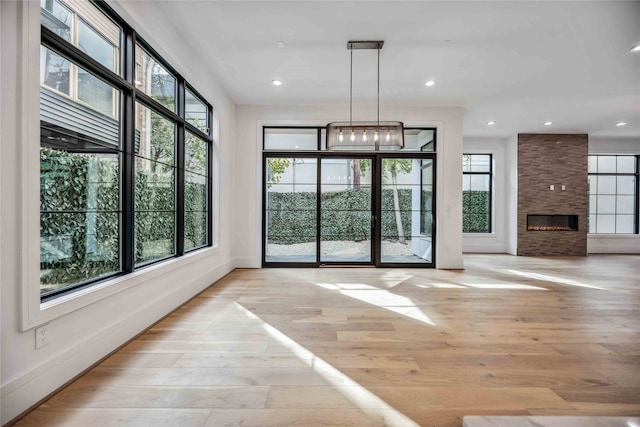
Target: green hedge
[82,244]
[76,246]
[476,208]
[346,215]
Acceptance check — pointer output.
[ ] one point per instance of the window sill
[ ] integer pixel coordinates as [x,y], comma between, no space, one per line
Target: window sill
[66,304]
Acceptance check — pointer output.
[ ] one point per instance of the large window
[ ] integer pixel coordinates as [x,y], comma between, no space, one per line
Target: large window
[125,155]
[613,194]
[476,193]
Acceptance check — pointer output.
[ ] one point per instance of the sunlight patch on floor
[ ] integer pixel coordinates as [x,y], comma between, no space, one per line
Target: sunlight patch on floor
[380,298]
[547,278]
[504,286]
[395,277]
[441,286]
[366,401]
[468,285]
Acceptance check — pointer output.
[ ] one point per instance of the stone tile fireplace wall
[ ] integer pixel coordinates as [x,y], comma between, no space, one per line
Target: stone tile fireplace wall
[545,160]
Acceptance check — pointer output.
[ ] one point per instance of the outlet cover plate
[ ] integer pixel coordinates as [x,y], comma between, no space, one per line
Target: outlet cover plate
[42,336]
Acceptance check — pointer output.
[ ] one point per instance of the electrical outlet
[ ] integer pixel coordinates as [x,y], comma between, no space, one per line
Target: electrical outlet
[42,336]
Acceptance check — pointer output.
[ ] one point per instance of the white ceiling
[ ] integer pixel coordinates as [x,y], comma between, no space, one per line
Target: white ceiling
[518,63]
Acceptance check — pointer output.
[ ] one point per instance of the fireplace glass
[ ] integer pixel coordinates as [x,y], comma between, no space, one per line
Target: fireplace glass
[552,222]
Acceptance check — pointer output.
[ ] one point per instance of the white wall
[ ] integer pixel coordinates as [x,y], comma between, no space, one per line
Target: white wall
[250,119]
[497,240]
[511,173]
[85,329]
[613,243]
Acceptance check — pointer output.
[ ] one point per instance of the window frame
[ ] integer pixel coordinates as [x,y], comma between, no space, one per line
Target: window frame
[321,153]
[636,199]
[124,80]
[490,175]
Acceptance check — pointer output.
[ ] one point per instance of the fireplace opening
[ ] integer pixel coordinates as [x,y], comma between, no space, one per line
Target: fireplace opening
[552,222]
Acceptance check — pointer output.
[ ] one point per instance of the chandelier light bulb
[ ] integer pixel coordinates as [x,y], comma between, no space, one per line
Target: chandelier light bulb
[376,136]
[340,136]
[364,135]
[388,137]
[353,135]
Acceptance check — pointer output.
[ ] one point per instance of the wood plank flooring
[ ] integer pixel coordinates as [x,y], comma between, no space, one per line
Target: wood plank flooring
[372,347]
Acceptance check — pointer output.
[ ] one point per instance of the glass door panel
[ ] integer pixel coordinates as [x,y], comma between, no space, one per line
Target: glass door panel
[345,210]
[406,210]
[291,209]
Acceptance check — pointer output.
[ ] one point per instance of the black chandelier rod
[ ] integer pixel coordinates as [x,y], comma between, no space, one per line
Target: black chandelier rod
[351,90]
[378,118]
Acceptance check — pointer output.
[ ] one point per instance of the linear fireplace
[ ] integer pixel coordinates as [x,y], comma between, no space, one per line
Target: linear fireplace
[552,222]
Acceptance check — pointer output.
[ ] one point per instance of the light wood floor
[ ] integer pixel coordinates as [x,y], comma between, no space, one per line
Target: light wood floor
[370,347]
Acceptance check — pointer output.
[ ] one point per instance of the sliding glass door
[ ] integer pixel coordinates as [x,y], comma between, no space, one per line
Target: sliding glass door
[290,210]
[406,202]
[348,209]
[346,220]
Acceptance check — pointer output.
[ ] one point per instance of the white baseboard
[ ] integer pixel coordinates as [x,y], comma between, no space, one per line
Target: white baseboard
[247,262]
[25,391]
[613,244]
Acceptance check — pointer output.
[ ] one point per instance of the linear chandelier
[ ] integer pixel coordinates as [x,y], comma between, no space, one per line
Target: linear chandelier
[364,135]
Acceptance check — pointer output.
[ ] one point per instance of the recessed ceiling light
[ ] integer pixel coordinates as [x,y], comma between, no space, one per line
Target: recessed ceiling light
[491,123]
[430,83]
[276,82]
[548,123]
[280,44]
[636,48]
[621,124]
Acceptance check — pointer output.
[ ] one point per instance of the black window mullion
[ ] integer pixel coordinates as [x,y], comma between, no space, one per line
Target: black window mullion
[198,132]
[180,162]
[490,193]
[154,105]
[210,178]
[128,167]
[636,217]
[318,208]
[376,210]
